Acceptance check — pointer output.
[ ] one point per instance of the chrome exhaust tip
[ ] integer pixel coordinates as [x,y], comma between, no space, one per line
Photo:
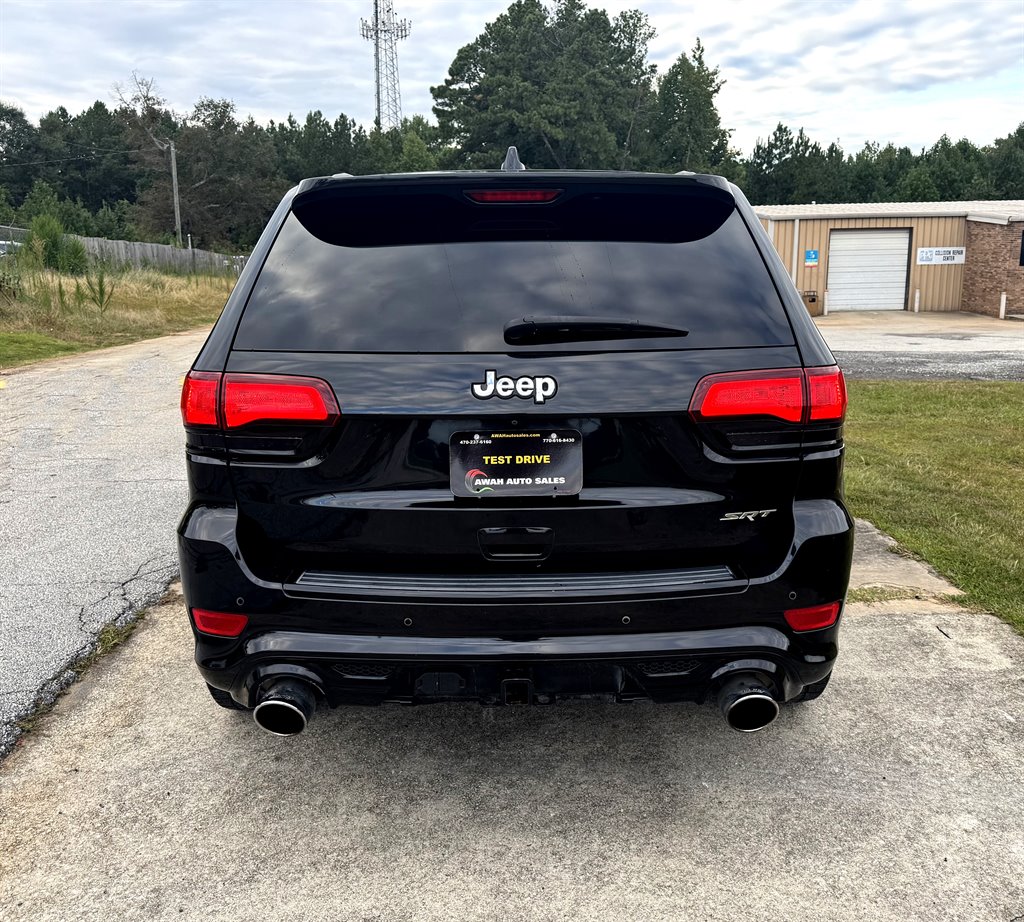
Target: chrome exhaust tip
[286,707]
[747,703]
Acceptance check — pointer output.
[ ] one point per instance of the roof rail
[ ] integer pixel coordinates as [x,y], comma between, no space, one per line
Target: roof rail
[512,163]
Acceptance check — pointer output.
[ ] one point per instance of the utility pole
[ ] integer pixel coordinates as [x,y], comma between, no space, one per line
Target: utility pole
[169,145]
[174,189]
[149,104]
[385,31]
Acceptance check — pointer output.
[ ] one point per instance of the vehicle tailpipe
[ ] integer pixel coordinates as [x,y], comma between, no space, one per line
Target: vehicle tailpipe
[747,702]
[285,707]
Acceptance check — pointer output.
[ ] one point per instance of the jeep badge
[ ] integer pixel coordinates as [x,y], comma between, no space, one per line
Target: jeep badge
[539,388]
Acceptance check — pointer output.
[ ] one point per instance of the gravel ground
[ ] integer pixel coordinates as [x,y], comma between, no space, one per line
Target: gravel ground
[895,344]
[92,483]
[973,366]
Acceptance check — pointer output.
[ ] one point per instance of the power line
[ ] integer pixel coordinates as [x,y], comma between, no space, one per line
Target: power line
[65,159]
[106,150]
[36,162]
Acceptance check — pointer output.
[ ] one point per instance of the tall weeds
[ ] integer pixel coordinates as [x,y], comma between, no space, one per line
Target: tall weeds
[100,292]
[105,307]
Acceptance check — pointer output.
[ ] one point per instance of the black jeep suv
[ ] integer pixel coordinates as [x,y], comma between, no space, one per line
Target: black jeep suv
[509,437]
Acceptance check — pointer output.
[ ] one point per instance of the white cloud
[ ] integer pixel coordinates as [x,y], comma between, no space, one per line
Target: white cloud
[850,71]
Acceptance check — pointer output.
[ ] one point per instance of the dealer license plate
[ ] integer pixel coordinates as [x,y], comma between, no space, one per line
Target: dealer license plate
[537,463]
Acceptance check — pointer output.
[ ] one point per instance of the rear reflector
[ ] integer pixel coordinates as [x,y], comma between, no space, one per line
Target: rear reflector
[814,618]
[218,623]
[199,398]
[232,400]
[272,398]
[513,196]
[790,394]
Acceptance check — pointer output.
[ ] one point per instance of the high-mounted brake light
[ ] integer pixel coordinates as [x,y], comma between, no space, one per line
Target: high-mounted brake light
[814,618]
[199,398]
[513,196]
[790,394]
[233,400]
[219,623]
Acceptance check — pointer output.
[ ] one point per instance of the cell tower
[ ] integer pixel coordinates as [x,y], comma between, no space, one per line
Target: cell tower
[384,31]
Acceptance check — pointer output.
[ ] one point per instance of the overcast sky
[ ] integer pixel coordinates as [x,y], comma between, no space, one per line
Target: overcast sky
[886,70]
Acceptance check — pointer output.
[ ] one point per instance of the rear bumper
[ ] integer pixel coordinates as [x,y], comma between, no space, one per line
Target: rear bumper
[373,640]
[354,669]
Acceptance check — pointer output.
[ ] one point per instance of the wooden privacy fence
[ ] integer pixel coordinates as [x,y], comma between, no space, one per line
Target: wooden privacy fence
[159,255]
[122,253]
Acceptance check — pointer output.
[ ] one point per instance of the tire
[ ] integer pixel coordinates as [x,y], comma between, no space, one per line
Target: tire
[224,699]
[814,690]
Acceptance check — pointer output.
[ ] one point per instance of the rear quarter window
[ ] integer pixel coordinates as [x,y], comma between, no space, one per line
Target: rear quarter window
[431,273]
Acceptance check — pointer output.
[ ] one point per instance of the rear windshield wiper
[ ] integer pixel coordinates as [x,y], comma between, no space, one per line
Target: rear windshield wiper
[530,330]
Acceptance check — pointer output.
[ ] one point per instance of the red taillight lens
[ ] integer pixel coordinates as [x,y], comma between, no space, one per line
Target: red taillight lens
[199,398]
[232,400]
[513,196]
[750,393]
[272,398]
[826,390]
[219,623]
[790,394]
[814,618]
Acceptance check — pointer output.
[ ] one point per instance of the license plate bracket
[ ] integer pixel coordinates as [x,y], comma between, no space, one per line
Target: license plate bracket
[540,462]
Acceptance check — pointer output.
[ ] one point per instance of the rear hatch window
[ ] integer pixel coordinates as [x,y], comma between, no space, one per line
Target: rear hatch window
[421,268]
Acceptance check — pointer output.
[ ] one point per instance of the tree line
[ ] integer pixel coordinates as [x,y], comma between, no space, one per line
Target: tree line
[570,86]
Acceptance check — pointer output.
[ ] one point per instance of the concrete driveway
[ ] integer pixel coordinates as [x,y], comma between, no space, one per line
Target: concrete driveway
[897,795]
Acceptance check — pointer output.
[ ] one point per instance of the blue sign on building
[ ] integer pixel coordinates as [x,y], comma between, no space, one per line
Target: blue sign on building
[810,257]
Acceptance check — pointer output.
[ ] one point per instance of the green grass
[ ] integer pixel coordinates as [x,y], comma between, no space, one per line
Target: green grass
[19,348]
[940,467]
[47,314]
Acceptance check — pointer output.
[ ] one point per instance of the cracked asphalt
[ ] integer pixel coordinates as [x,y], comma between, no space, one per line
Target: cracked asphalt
[92,483]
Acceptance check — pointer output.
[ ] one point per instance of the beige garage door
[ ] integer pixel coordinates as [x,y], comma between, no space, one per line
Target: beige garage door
[867,270]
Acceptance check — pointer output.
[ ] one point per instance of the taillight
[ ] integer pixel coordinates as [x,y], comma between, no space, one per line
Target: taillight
[199,398]
[750,393]
[790,394]
[826,389]
[234,400]
[219,623]
[513,196]
[271,398]
[814,618]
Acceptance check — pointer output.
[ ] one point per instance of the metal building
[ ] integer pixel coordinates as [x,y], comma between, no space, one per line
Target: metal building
[926,256]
